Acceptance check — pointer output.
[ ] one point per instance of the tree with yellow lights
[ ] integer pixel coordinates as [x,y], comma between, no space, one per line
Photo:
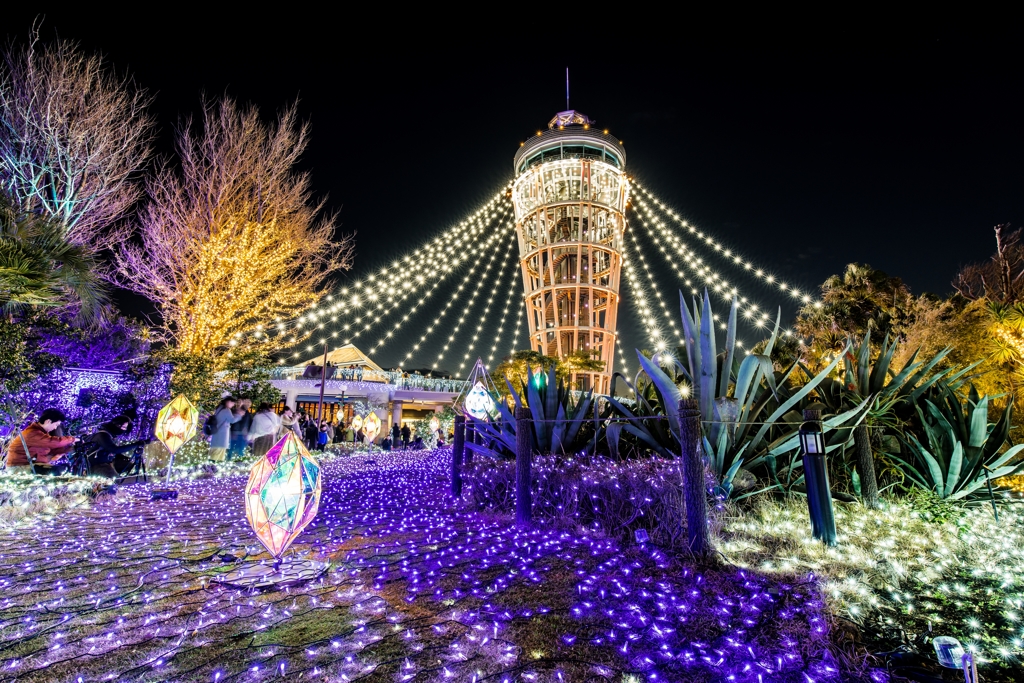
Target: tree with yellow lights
[232,240]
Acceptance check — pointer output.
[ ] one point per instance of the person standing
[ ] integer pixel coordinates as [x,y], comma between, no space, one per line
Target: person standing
[396,434]
[311,435]
[406,434]
[223,418]
[47,452]
[240,430]
[264,429]
[289,421]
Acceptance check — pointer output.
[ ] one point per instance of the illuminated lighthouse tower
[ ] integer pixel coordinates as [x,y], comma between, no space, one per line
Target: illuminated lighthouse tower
[570,194]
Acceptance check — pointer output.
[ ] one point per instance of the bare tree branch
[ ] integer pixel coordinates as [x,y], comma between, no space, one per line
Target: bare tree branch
[1000,279]
[74,138]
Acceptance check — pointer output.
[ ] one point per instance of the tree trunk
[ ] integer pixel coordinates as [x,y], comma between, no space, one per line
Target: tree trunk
[458,447]
[693,481]
[865,466]
[524,455]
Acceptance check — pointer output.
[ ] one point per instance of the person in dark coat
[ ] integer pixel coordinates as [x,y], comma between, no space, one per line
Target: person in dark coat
[103,460]
[396,434]
[406,435]
[311,435]
[240,430]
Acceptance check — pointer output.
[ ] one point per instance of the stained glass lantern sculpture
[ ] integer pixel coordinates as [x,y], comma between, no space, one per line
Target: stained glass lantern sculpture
[283,494]
[435,424]
[357,423]
[479,403]
[175,425]
[371,426]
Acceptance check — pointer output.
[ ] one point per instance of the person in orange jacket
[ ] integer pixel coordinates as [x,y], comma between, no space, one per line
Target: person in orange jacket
[47,451]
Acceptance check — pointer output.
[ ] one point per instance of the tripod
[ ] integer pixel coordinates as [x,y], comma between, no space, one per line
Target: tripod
[136,466]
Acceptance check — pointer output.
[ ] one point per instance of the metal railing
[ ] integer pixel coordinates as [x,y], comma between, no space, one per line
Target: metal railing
[398,380]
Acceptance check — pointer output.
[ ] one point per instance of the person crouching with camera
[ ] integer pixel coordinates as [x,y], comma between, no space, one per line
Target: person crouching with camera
[105,450]
[47,452]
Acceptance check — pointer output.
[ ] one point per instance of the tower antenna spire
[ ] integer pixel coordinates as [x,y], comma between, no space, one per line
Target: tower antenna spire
[567,88]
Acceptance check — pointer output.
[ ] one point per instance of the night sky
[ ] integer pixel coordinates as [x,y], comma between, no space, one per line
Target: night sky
[899,151]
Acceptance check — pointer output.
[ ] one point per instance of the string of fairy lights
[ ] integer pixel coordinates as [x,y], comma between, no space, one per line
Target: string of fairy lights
[730,255]
[383,291]
[494,240]
[749,311]
[644,311]
[659,300]
[513,288]
[468,308]
[391,297]
[369,302]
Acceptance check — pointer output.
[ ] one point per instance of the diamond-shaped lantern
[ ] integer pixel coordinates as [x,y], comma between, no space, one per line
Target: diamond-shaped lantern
[435,424]
[283,494]
[357,423]
[371,426]
[176,423]
[479,403]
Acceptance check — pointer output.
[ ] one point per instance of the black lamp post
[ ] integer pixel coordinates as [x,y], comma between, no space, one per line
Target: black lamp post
[819,497]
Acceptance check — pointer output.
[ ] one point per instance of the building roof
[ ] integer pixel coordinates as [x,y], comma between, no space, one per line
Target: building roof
[344,356]
[570,118]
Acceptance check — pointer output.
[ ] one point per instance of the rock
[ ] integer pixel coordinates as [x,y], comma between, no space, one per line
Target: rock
[744,480]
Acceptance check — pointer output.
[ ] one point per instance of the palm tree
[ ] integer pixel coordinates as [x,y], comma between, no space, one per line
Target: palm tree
[40,267]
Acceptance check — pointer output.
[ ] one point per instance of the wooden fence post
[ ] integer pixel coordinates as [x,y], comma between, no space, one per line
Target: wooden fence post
[693,480]
[458,447]
[524,455]
[470,437]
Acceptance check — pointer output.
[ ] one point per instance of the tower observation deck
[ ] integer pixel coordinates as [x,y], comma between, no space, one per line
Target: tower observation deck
[570,193]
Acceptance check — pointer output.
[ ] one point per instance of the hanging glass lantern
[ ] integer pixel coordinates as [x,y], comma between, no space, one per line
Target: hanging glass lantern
[479,403]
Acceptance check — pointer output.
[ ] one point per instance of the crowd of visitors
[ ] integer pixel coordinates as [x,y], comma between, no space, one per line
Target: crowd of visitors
[332,371]
[232,428]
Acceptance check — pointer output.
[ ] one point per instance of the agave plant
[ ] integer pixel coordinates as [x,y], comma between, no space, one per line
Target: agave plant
[558,417]
[745,410]
[890,397]
[962,444]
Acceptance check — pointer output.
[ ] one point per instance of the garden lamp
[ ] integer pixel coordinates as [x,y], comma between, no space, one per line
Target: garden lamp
[175,426]
[819,496]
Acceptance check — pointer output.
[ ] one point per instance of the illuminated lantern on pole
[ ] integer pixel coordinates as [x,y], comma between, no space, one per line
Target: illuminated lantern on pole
[357,423]
[371,426]
[283,494]
[175,425]
[435,424]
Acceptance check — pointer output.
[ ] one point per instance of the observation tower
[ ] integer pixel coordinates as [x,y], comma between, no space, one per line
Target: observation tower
[570,195]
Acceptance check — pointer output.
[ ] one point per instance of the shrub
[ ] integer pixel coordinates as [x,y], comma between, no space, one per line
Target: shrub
[592,492]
